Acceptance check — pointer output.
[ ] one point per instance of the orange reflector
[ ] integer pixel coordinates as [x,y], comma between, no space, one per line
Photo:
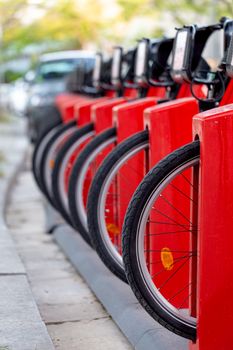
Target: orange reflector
[167,259]
[51,163]
[112,228]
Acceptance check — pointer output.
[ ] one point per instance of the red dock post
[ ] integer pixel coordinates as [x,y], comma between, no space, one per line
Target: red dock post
[215,239]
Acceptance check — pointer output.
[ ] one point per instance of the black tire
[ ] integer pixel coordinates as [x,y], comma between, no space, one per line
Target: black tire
[44,123]
[131,228]
[67,147]
[66,129]
[39,148]
[123,150]
[84,156]
[37,152]
[41,120]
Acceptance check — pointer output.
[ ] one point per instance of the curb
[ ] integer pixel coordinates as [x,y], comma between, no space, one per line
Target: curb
[116,296]
[9,186]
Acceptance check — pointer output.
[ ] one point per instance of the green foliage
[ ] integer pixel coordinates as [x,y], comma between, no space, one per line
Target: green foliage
[134,8]
[10,76]
[182,10]
[73,23]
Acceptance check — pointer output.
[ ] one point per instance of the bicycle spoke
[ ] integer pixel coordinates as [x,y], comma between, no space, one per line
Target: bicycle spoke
[179,291]
[164,270]
[171,205]
[190,183]
[169,223]
[177,259]
[168,217]
[171,250]
[184,194]
[184,301]
[174,273]
[169,233]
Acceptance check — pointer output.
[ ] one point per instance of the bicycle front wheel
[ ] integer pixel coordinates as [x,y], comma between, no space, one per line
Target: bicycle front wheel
[109,195]
[81,176]
[47,159]
[160,241]
[64,162]
[41,146]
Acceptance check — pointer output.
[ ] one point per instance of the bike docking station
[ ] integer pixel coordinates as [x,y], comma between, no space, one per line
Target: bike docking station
[105,114]
[95,114]
[101,80]
[128,117]
[162,119]
[65,105]
[101,112]
[69,103]
[165,135]
[169,123]
[170,127]
[214,289]
[128,94]
[77,110]
[137,133]
[214,302]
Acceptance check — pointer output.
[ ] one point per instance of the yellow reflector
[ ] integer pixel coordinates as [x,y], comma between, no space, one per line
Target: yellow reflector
[112,228]
[167,259]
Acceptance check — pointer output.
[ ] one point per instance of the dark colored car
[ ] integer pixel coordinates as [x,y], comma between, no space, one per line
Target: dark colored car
[49,81]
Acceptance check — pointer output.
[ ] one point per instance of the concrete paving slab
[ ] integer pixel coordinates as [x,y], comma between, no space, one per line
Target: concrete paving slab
[73,312]
[68,291]
[21,327]
[44,268]
[116,296]
[91,334]
[10,262]
[74,317]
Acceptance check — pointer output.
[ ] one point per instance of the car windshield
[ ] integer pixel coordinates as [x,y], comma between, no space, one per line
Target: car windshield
[59,69]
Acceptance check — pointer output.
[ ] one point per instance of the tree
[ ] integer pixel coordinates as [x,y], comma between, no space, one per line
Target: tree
[74,23]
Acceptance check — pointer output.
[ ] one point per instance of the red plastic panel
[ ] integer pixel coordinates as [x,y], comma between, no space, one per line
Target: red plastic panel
[128,117]
[71,160]
[130,93]
[63,97]
[129,120]
[68,108]
[101,113]
[82,111]
[66,104]
[215,287]
[157,92]
[83,115]
[110,93]
[184,91]
[228,95]
[170,126]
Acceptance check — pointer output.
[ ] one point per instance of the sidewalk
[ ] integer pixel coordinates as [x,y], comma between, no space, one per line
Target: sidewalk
[21,327]
[73,316]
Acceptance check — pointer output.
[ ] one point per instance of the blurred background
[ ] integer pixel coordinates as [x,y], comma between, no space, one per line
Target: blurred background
[30,28]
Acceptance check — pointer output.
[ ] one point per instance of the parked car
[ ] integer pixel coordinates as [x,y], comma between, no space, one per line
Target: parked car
[49,81]
[19,93]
